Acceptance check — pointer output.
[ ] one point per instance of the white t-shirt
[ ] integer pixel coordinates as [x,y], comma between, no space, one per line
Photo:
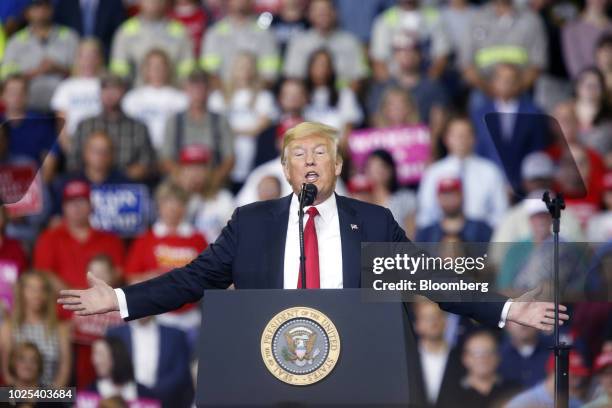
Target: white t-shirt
[78,98]
[346,111]
[243,112]
[211,215]
[153,106]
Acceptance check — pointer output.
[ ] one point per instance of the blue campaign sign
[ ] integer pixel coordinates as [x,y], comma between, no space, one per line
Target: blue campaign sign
[121,208]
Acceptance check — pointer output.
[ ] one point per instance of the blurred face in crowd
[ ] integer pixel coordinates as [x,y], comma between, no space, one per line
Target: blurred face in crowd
[605,379]
[244,70]
[15,95]
[156,70]
[240,7]
[574,170]
[193,176]
[312,159]
[521,335]
[103,270]
[171,210]
[292,97]
[589,87]
[430,321]
[98,152]
[269,188]
[506,84]
[197,92]
[320,69]
[408,58]
[111,96]
[603,58]
[408,4]
[102,359]
[565,114]
[540,225]
[397,109]
[480,356]
[89,59]
[34,293]
[27,365]
[378,172]
[451,202]
[153,9]
[459,138]
[76,212]
[322,15]
[599,5]
[39,15]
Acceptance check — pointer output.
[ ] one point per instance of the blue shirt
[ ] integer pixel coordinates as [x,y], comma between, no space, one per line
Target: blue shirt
[538,397]
[527,371]
[33,136]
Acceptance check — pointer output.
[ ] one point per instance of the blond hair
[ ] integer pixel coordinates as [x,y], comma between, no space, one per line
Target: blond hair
[49,312]
[306,129]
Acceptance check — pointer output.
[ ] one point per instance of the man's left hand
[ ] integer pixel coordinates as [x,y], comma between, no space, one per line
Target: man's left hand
[528,311]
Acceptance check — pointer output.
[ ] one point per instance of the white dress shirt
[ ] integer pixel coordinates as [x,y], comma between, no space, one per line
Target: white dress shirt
[145,351]
[327,226]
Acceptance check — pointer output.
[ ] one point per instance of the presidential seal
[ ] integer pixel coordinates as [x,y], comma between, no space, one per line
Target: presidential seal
[300,346]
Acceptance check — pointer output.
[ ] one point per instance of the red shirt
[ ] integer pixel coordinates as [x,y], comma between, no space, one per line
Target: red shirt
[12,252]
[163,252]
[59,252]
[195,21]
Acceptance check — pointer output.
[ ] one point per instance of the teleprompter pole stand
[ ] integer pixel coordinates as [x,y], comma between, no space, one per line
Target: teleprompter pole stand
[561,349]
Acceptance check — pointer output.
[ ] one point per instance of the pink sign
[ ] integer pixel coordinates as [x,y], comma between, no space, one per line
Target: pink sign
[410,147]
[87,399]
[8,276]
[21,189]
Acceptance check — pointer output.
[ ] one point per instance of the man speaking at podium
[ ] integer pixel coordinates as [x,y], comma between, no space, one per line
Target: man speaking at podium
[259,248]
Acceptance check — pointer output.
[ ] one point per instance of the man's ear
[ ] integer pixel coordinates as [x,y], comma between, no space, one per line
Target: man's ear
[286,171]
[339,164]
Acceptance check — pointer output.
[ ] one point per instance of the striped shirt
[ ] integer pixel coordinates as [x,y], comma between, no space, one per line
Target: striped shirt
[130,138]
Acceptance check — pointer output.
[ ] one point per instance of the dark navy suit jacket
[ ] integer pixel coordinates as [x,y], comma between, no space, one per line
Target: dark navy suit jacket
[250,253]
[109,16]
[173,384]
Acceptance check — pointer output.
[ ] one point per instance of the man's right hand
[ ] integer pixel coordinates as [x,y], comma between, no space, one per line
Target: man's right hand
[99,298]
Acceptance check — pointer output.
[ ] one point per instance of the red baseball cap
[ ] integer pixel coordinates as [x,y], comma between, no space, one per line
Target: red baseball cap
[194,154]
[603,361]
[76,189]
[447,185]
[576,364]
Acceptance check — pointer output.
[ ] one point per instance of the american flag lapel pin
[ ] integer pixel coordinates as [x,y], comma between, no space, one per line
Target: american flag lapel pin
[354,227]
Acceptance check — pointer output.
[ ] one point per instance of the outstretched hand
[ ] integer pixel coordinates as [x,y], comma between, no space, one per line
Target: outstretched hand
[99,298]
[528,311]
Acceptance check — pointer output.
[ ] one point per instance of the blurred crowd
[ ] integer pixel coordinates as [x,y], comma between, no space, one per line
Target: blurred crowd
[178,109]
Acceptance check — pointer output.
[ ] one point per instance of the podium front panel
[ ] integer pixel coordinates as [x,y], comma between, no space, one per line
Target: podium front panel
[376,359]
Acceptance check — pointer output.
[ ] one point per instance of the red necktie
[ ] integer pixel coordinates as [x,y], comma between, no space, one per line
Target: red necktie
[311,252]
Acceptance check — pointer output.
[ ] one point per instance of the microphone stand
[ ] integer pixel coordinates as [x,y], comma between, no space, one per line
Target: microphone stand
[561,349]
[301,235]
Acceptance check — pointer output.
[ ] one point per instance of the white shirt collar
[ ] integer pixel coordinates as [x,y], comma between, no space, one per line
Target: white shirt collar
[161,230]
[326,209]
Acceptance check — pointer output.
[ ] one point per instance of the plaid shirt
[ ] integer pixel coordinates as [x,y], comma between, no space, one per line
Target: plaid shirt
[130,138]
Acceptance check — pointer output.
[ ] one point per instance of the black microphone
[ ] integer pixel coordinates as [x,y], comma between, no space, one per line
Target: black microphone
[308,194]
[307,197]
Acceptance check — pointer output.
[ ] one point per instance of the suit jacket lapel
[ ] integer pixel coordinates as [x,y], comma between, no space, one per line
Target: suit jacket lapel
[278,236]
[351,233]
